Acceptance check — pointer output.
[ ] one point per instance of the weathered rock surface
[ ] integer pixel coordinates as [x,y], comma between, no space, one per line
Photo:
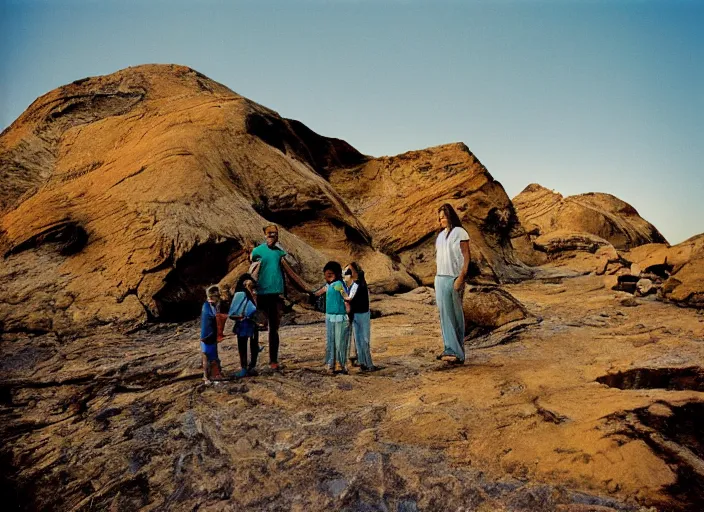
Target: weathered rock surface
[397,198]
[493,316]
[683,263]
[595,408]
[124,195]
[542,211]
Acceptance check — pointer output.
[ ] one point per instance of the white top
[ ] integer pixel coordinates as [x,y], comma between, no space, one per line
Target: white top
[448,253]
[353,290]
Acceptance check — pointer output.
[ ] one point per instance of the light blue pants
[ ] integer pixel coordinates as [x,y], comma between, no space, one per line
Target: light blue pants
[362,332]
[451,316]
[336,327]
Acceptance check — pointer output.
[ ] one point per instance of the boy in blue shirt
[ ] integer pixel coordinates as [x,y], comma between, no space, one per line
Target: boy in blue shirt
[209,336]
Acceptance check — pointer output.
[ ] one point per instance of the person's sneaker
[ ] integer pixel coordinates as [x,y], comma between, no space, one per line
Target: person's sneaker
[274,366]
[241,374]
[252,372]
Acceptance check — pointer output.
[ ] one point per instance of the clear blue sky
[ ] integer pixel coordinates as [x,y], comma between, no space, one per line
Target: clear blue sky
[579,96]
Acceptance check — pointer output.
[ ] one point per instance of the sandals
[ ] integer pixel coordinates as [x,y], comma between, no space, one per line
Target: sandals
[451,359]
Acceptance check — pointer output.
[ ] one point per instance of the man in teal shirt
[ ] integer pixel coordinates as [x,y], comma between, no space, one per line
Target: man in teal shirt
[270,286]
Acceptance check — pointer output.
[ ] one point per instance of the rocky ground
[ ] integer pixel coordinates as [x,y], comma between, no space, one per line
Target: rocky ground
[598,407]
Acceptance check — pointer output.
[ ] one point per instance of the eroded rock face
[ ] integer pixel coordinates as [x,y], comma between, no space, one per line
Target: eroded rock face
[492,316]
[684,263]
[123,195]
[397,198]
[542,211]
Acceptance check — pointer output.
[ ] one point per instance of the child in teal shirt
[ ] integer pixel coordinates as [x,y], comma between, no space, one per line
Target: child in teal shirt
[336,321]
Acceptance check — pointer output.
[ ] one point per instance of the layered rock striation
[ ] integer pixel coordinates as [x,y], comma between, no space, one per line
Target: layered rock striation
[124,195]
[542,211]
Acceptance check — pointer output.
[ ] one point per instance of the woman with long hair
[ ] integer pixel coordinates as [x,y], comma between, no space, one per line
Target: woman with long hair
[452,258]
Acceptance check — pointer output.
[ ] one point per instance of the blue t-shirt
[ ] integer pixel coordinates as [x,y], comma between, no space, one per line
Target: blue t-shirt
[334,303]
[208,323]
[271,275]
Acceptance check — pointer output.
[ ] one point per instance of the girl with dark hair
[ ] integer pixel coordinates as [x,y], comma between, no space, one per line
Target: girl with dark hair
[452,258]
[336,321]
[242,309]
[358,299]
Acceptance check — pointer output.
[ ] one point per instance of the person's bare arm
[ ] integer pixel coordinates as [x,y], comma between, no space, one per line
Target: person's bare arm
[296,279]
[459,282]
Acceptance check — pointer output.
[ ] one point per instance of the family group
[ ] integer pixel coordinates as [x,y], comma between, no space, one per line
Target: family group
[257,304]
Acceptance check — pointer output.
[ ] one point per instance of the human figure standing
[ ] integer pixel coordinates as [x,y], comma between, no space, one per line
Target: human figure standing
[270,286]
[452,258]
[358,298]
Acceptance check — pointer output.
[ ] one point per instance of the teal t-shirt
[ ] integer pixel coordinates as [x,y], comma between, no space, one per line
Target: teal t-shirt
[334,303]
[271,275]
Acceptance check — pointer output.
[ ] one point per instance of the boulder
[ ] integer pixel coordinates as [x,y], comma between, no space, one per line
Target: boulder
[562,241]
[128,193]
[397,198]
[681,265]
[124,195]
[542,211]
[492,316]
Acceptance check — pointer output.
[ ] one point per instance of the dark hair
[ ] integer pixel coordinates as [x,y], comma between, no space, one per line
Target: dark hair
[336,269]
[360,273]
[240,287]
[453,219]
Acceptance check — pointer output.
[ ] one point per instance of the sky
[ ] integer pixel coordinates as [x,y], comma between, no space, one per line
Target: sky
[578,96]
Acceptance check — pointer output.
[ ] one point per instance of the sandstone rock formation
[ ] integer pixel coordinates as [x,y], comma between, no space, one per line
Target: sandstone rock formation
[493,316]
[542,211]
[597,408]
[397,198]
[683,265]
[123,195]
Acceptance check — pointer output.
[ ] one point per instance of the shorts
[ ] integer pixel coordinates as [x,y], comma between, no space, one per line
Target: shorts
[210,350]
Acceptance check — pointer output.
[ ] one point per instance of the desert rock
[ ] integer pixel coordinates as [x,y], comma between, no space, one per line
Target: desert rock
[137,189]
[542,211]
[397,198]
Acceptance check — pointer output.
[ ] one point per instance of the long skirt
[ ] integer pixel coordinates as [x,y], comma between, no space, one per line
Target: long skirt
[449,303]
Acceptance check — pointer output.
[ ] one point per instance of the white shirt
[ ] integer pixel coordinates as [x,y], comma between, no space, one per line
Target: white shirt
[353,290]
[448,254]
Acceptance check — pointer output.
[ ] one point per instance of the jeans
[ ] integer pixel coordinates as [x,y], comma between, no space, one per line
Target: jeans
[361,325]
[449,303]
[336,327]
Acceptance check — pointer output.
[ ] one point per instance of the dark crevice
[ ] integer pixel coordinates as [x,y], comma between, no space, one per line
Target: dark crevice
[183,293]
[672,379]
[68,237]
[675,434]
